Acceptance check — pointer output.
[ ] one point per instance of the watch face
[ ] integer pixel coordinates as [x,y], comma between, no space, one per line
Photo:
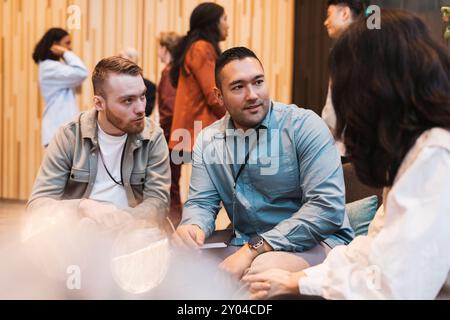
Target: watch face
[256,241]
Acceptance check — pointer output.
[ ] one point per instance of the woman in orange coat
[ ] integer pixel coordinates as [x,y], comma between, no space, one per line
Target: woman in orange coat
[193,74]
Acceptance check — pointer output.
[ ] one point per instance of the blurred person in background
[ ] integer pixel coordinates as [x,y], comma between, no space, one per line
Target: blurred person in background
[60,73]
[340,15]
[192,73]
[166,100]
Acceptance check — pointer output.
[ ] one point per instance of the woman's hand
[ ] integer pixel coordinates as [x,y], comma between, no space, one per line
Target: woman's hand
[58,50]
[272,283]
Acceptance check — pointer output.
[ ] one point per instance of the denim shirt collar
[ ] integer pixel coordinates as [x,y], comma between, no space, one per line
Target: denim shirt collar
[265,124]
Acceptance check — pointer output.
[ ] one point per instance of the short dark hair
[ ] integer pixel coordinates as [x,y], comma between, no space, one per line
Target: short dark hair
[115,65]
[42,49]
[356,6]
[236,53]
[388,87]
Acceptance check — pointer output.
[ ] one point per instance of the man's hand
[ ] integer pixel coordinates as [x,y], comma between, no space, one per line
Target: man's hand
[237,263]
[58,50]
[189,236]
[272,283]
[104,214]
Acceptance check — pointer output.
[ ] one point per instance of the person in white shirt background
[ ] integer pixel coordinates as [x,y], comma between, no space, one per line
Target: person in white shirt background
[60,73]
[391,93]
[340,15]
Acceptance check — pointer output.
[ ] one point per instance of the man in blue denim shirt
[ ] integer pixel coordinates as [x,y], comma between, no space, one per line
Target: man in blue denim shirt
[281,184]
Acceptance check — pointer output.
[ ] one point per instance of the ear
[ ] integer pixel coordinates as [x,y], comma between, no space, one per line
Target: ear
[346,14]
[218,94]
[99,103]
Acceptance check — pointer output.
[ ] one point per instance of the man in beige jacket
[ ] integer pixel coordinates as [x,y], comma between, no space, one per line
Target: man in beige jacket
[111,163]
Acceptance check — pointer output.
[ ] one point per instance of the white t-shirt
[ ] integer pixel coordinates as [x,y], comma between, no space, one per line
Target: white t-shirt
[105,189]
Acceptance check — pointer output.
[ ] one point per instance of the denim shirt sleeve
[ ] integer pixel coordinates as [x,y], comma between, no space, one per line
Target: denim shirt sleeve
[203,202]
[323,190]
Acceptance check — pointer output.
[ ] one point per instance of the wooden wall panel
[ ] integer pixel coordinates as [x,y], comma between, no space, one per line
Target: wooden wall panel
[107,26]
[2,75]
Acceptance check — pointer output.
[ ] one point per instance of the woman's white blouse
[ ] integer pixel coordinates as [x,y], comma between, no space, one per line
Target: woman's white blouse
[406,254]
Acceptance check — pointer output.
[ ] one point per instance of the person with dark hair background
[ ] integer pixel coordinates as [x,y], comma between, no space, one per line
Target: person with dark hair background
[340,15]
[192,73]
[391,92]
[60,72]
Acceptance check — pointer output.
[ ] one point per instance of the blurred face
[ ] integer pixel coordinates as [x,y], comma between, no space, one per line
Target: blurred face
[338,20]
[65,42]
[123,108]
[124,55]
[223,27]
[244,92]
[164,55]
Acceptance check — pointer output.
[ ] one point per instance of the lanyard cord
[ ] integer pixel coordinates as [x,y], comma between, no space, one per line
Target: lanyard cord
[247,157]
[241,168]
[121,163]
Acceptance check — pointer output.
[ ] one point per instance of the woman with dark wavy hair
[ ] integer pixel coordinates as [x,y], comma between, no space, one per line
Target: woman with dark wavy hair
[60,72]
[192,72]
[391,92]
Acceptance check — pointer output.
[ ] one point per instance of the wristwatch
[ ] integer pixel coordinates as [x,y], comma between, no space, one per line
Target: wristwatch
[257,243]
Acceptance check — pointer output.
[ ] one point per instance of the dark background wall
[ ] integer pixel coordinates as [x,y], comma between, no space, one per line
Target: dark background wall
[311,54]
[312,44]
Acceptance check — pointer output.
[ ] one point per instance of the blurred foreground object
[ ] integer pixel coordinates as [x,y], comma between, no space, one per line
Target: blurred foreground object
[140,259]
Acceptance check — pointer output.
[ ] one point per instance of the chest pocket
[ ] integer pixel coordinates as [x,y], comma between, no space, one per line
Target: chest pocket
[137,181]
[279,178]
[137,178]
[79,175]
[76,184]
